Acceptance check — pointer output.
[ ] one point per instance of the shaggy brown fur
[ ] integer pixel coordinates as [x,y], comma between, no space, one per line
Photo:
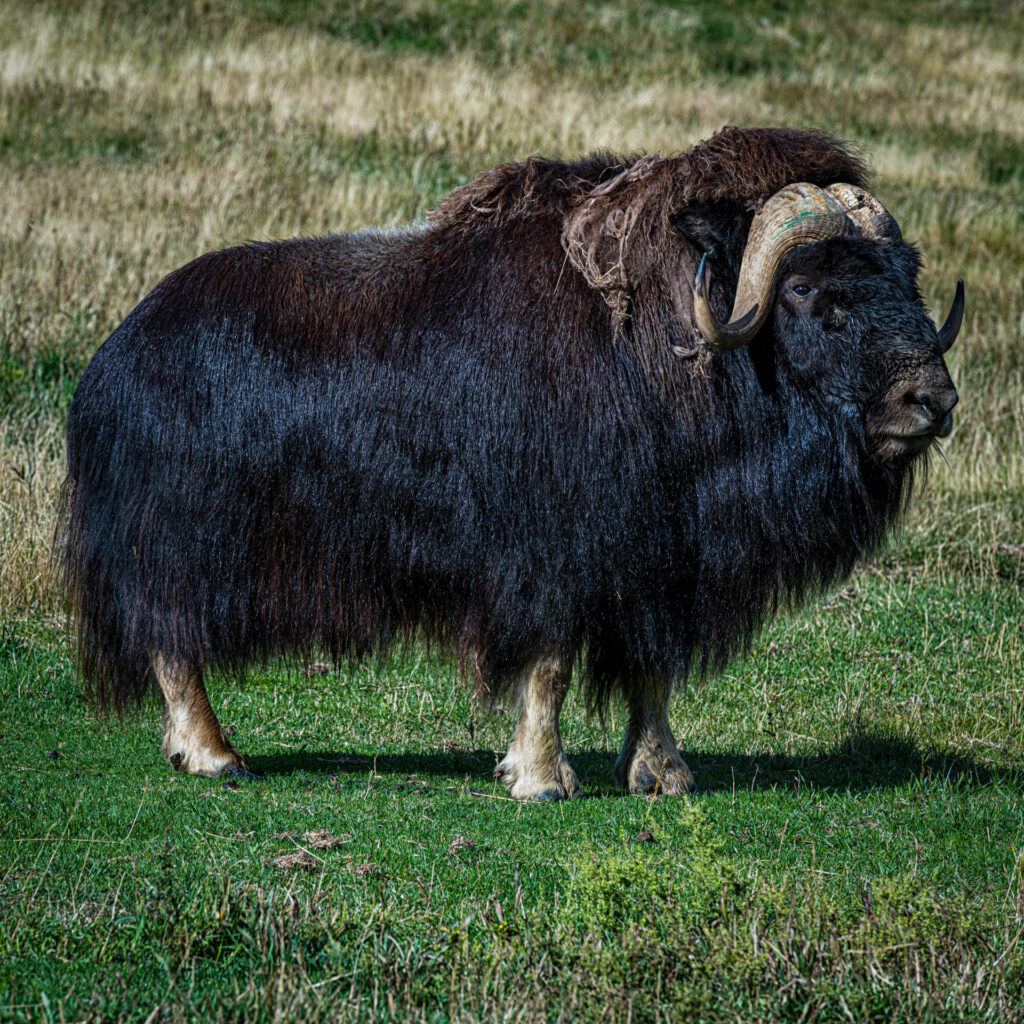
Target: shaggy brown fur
[617,213]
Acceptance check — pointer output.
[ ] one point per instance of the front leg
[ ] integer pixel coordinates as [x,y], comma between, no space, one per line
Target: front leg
[535,767]
[194,742]
[650,761]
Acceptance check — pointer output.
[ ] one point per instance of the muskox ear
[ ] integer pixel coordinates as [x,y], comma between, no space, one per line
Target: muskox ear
[715,229]
[614,233]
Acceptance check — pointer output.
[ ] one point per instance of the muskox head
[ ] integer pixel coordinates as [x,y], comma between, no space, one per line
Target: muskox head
[819,279]
[826,273]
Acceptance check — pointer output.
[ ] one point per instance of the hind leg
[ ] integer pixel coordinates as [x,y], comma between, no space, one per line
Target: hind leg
[650,761]
[535,767]
[193,739]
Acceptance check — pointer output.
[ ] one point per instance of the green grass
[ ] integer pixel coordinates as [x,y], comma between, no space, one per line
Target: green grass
[857,850]
[857,841]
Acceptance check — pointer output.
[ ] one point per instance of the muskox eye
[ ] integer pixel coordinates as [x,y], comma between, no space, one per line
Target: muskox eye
[802,290]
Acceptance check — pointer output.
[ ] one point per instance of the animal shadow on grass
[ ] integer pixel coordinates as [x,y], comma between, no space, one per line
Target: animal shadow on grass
[864,760]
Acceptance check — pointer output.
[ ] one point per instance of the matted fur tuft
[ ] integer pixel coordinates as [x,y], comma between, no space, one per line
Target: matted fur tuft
[449,433]
[617,212]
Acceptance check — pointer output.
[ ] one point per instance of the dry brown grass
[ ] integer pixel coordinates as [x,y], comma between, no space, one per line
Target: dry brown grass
[129,147]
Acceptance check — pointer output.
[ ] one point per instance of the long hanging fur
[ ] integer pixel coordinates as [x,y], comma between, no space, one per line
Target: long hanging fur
[474,432]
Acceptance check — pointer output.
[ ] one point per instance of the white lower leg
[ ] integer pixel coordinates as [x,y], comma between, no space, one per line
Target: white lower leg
[535,766]
[650,761]
[193,739]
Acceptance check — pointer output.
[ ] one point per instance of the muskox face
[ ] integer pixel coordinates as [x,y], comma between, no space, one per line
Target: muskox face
[849,321]
[828,273]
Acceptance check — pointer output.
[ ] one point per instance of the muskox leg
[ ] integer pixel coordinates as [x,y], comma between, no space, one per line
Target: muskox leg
[535,767]
[650,761]
[193,739]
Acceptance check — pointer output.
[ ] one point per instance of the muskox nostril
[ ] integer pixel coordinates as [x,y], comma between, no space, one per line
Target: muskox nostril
[923,401]
[933,406]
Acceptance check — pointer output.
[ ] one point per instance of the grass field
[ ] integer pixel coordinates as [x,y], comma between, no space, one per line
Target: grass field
[857,852]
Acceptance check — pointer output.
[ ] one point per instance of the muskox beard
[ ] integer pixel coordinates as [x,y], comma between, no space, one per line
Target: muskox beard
[775,510]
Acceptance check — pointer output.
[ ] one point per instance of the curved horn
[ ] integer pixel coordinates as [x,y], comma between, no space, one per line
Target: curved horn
[951,328]
[734,334]
[873,219]
[796,215]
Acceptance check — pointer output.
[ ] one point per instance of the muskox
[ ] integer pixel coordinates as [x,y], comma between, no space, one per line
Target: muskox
[605,415]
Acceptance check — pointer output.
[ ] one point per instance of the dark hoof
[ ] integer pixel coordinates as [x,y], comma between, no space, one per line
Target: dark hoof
[233,771]
[650,785]
[177,760]
[551,795]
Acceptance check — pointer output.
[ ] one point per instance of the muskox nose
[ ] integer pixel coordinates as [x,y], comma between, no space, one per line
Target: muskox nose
[934,409]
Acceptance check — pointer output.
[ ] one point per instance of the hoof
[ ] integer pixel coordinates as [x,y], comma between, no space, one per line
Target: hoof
[548,783]
[239,773]
[673,781]
[550,795]
[210,764]
[663,775]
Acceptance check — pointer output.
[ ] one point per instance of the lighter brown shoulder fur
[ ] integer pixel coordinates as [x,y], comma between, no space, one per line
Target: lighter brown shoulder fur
[614,213]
